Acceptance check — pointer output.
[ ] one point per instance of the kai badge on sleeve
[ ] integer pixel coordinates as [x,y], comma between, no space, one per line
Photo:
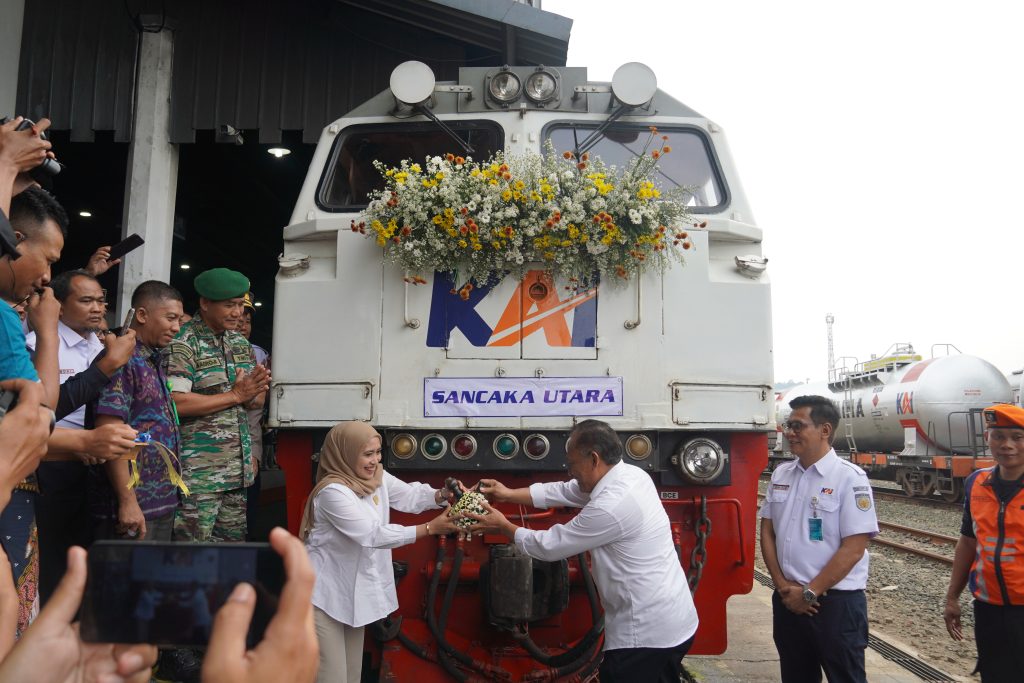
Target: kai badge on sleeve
[863,501]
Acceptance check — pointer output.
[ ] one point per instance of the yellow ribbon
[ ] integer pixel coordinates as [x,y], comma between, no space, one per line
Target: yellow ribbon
[169,459]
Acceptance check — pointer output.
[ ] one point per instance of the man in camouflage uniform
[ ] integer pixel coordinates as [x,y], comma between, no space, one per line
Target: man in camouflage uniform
[214,378]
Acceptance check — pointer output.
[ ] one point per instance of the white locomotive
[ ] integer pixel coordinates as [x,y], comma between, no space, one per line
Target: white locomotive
[914,420]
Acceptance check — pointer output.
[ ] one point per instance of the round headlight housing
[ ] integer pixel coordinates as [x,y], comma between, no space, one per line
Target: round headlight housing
[638,447]
[536,446]
[433,446]
[541,86]
[506,446]
[464,446]
[505,87]
[403,446]
[700,460]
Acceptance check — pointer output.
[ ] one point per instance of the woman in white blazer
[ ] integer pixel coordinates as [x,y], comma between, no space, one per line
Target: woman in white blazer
[347,530]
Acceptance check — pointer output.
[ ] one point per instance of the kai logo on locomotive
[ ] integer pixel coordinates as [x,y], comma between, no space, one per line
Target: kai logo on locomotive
[905,403]
[533,307]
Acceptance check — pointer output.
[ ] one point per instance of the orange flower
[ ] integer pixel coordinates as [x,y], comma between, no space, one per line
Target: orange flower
[653,129]
[664,137]
[549,223]
[581,165]
[567,155]
[473,228]
[463,211]
[503,168]
[460,160]
[686,245]
[585,157]
[597,219]
[396,239]
[655,154]
[683,235]
[406,231]
[506,175]
[449,157]
[463,230]
[666,149]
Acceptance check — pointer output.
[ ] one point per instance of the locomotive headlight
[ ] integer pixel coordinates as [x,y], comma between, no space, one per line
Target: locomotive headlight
[403,446]
[412,82]
[700,461]
[434,446]
[541,86]
[505,87]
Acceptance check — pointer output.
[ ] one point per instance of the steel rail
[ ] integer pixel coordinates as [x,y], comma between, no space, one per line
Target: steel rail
[930,535]
[912,550]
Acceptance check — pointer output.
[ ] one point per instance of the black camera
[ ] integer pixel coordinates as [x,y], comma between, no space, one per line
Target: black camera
[49,167]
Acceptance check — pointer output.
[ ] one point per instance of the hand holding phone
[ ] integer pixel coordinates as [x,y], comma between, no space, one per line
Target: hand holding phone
[130,243]
[289,649]
[167,593]
[127,324]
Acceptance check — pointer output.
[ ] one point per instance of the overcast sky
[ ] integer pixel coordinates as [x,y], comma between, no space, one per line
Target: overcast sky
[880,145]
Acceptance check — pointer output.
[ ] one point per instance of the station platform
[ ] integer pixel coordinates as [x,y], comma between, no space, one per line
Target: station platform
[752,658]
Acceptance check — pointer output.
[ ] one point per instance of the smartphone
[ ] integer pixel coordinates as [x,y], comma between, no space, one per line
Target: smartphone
[167,594]
[127,323]
[130,243]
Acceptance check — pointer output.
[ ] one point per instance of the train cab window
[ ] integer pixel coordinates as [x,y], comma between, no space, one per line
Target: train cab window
[350,175]
[691,164]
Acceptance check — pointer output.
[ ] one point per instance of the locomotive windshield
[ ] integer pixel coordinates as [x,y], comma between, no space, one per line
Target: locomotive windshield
[350,174]
[690,165]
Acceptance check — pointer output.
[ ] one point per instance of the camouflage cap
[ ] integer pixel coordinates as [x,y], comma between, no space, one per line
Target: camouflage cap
[218,284]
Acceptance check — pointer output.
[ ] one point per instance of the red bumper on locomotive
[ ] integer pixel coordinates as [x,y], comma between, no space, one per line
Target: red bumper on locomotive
[477,610]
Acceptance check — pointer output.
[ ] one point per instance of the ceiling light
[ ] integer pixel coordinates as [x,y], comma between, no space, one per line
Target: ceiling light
[279,151]
[184,266]
[258,304]
[85,214]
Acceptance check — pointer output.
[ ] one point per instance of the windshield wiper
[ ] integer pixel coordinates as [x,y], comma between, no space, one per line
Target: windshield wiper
[595,137]
[425,110]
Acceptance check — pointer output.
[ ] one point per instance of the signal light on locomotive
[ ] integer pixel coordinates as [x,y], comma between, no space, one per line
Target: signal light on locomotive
[463,446]
[506,446]
[536,446]
[434,446]
[700,461]
[638,447]
[403,446]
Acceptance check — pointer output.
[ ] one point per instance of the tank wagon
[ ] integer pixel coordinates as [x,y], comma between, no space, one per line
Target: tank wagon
[677,361]
[914,421]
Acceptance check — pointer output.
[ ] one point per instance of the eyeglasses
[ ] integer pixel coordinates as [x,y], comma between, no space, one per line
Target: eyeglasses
[795,426]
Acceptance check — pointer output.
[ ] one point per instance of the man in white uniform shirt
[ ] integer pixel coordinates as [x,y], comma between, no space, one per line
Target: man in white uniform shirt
[816,521]
[62,515]
[650,619]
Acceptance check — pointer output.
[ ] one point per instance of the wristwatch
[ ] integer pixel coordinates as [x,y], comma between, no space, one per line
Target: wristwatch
[810,597]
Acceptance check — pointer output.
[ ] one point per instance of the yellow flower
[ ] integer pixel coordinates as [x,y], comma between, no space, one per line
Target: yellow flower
[462,243]
[519,184]
[506,195]
[390,172]
[439,175]
[415,168]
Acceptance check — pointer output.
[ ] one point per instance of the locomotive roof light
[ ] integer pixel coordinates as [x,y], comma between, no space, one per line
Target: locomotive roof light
[752,266]
[542,86]
[700,460]
[506,446]
[434,446]
[634,84]
[638,447]
[537,446]
[412,83]
[403,446]
[504,86]
[464,446]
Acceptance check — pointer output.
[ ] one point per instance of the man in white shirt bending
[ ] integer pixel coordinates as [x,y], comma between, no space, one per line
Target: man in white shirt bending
[650,619]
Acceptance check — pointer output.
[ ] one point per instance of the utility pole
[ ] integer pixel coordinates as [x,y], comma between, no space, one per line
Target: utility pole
[829,319]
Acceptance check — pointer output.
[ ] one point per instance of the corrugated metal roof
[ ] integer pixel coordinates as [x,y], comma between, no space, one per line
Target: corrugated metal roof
[263,65]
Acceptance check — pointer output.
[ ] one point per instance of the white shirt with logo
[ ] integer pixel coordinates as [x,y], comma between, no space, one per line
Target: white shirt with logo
[623,524]
[833,490]
[75,354]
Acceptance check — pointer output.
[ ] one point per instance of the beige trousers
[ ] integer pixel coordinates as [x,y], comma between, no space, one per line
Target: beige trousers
[341,649]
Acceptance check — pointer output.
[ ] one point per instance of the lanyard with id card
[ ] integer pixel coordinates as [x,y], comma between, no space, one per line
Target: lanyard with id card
[814,522]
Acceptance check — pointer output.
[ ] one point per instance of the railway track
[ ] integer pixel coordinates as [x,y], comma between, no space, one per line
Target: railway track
[899,496]
[929,536]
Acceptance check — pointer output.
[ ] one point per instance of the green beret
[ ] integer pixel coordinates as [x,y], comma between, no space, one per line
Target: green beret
[218,284]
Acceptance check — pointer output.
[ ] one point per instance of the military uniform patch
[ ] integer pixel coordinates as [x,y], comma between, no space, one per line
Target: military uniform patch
[863,501]
[207,363]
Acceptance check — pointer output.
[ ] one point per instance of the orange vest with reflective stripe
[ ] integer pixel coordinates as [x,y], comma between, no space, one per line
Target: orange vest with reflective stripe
[997,574]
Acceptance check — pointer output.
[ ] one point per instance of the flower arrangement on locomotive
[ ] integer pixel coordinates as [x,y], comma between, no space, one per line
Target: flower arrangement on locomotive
[480,220]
